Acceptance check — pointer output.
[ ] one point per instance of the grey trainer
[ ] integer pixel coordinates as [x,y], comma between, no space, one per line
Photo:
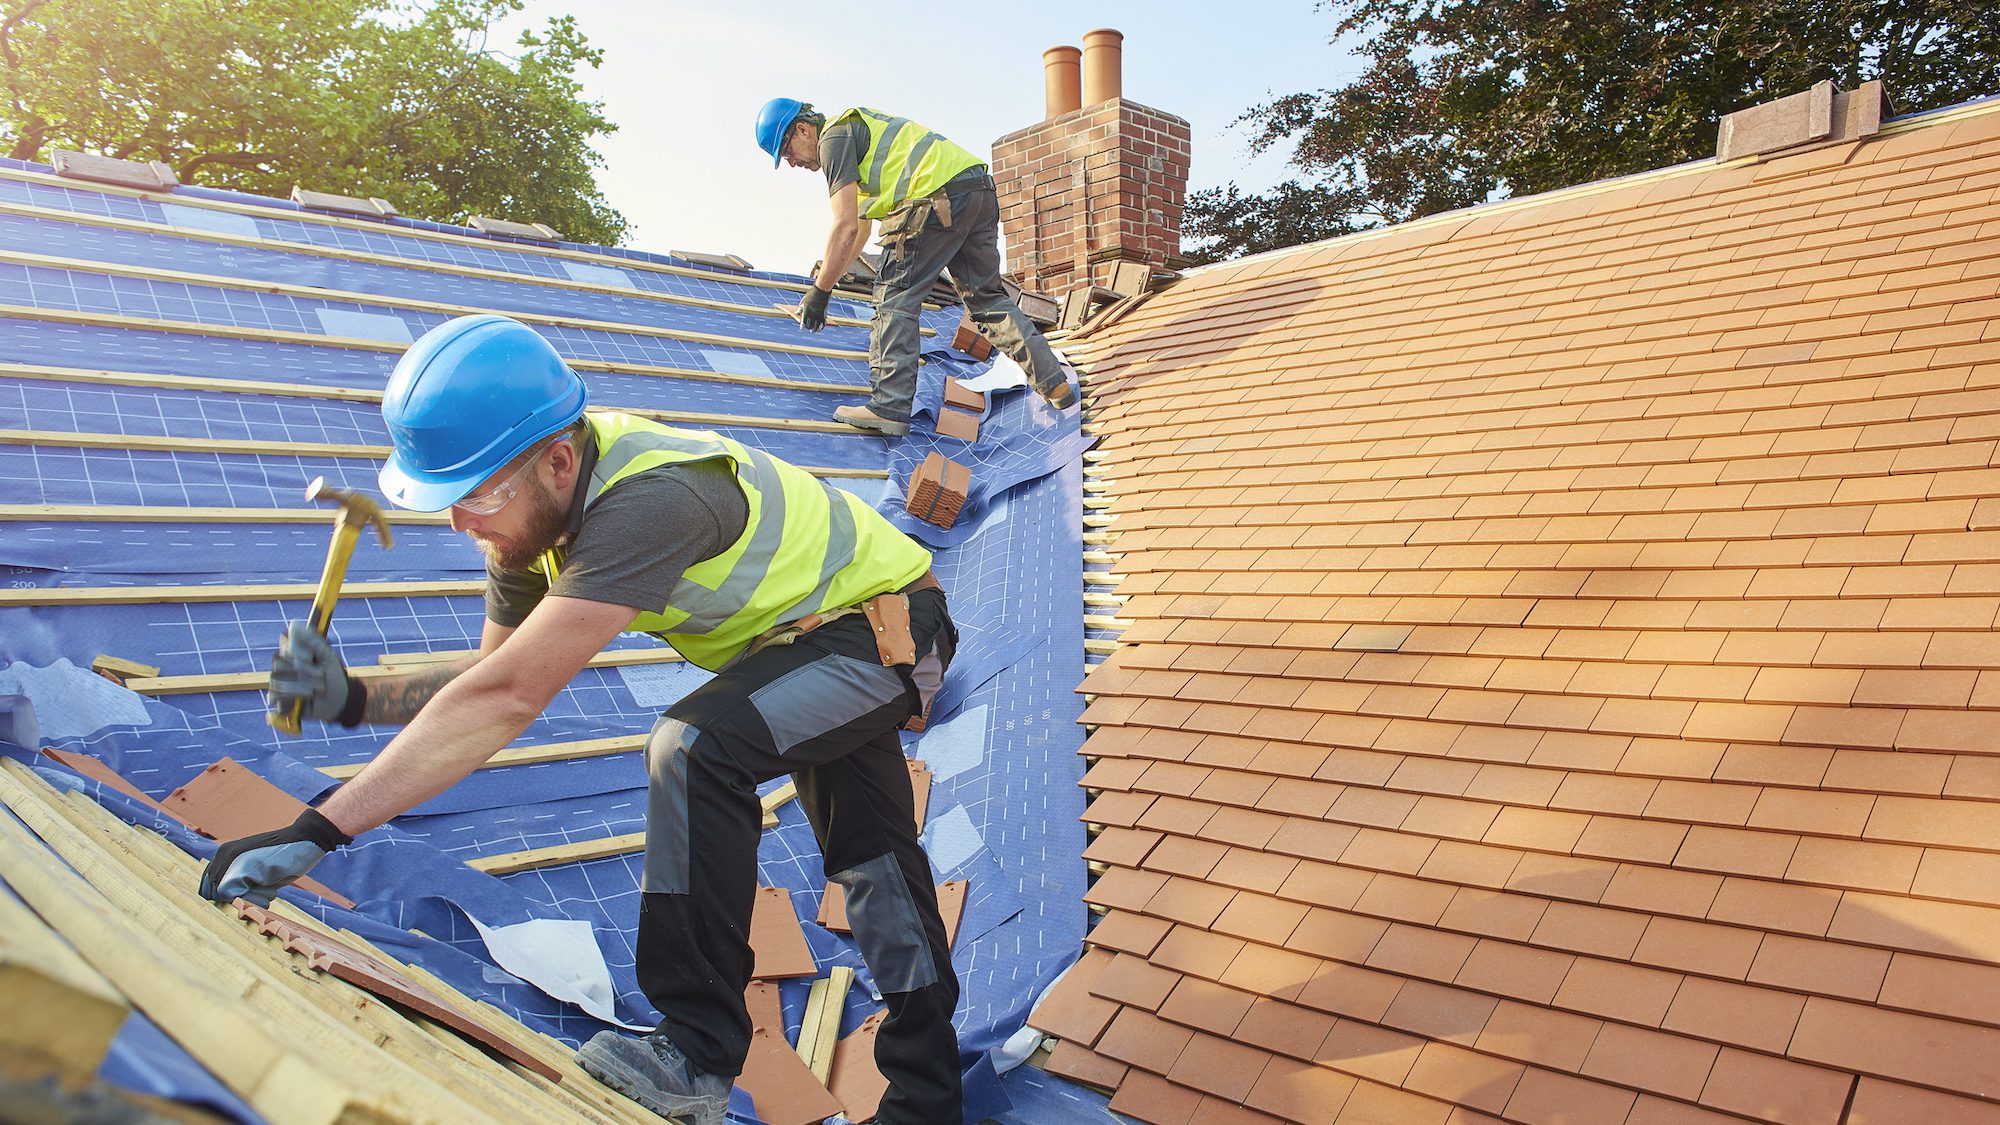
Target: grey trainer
[654,1073]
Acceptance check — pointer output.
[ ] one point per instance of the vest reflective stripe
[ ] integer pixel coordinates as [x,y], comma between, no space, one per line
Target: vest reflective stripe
[904,161]
[805,547]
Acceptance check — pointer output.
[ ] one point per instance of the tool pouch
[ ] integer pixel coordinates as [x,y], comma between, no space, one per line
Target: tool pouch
[889,616]
[902,225]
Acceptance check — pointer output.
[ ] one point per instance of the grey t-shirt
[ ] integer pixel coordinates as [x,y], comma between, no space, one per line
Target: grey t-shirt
[841,148]
[631,547]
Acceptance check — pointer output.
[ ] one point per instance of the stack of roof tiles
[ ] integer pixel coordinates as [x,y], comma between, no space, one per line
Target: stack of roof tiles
[1561,675]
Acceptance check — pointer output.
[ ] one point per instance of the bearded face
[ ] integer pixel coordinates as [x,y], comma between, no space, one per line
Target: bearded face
[543,522]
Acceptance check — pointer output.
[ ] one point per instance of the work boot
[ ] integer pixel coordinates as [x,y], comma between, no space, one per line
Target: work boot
[654,1073]
[1062,396]
[862,418]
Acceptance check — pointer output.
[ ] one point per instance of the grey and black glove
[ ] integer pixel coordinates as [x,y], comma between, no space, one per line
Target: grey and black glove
[306,670]
[255,867]
[812,310]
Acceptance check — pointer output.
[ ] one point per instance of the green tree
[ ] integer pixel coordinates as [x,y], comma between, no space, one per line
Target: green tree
[402,101]
[1463,101]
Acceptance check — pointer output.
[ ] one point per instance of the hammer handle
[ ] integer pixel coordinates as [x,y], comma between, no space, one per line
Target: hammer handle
[320,617]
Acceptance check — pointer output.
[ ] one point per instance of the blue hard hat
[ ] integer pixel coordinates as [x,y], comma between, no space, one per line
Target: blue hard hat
[466,399]
[773,122]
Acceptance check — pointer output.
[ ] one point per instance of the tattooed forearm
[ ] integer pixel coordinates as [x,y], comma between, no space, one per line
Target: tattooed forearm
[398,700]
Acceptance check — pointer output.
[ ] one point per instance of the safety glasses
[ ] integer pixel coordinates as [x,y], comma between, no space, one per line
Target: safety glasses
[500,495]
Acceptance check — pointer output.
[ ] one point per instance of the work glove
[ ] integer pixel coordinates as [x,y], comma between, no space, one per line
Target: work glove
[812,310]
[307,670]
[255,867]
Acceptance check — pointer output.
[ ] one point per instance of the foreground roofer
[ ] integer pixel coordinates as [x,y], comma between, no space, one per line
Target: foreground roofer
[751,568]
[937,208]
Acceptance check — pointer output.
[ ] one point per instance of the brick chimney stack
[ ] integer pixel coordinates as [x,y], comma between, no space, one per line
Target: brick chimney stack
[1100,180]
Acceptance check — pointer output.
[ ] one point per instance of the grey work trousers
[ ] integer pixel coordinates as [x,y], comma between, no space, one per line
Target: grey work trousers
[825,710]
[971,248]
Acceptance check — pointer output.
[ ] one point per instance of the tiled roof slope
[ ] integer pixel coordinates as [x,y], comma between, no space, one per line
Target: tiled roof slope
[1561,674]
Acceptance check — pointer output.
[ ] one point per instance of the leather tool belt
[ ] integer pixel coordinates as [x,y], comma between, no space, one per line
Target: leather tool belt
[888,615]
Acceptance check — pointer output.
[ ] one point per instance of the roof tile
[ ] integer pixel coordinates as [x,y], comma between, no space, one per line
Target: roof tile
[1218,1066]
[1133,980]
[1748,1016]
[1205,1005]
[1070,1011]
[1889,1103]
[1615,990]
[1125,932]
[1420,951]
[1144,1040]
[1378,1054]
[1299,1091]
[1152,1098]
[1437,1012]
[1650,1060]
[1544,1097]
[1522,971]
[1464,1077]
[1775,1089]
[1702,947]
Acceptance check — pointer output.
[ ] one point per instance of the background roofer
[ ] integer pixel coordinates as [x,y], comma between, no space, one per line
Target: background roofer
[936,204]
[751,568]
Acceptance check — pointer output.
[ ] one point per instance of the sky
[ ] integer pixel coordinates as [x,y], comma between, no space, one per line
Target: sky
[683,81]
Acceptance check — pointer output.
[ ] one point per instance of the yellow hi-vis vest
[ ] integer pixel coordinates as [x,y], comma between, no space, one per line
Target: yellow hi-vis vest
[806,547]
[904,161]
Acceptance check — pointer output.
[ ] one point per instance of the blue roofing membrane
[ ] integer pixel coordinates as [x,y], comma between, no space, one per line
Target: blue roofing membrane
[91,312]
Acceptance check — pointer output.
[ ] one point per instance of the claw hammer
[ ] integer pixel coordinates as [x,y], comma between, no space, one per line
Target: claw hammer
[356,511]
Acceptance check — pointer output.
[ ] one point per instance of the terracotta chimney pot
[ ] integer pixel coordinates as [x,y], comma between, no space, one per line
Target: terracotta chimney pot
[1101,64]
[1061,70]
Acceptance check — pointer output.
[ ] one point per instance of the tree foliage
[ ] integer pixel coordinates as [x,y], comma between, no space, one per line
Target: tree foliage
[402,101]
[1462,101]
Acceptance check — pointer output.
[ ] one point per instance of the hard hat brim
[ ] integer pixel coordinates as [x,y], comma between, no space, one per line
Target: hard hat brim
[417,495]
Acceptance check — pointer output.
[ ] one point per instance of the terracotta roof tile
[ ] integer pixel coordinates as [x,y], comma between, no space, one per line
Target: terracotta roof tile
[1666,891]
[1748,1016]
[1949,929]
[1539,1035]
[1507,969]
[1463,1077]
[1284,1028]
[1953,988]
[1475,864]
[1190,949]
[1143,1040]
[1299,1091]
[1439,1012]
[1557,876]
[1152,1098]
[1888,1103]
[1590,929]
[1774,1089]
[1349,990]
[1218,1066]
[1324,884]
[1414,950]
[1618,991]
[1125,932]
[1133,980]
[1081,1064]
[1546,1098]
[1126,847]
[1070,1011]
[1650,1060]
[1737,852]
[1374,1053]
